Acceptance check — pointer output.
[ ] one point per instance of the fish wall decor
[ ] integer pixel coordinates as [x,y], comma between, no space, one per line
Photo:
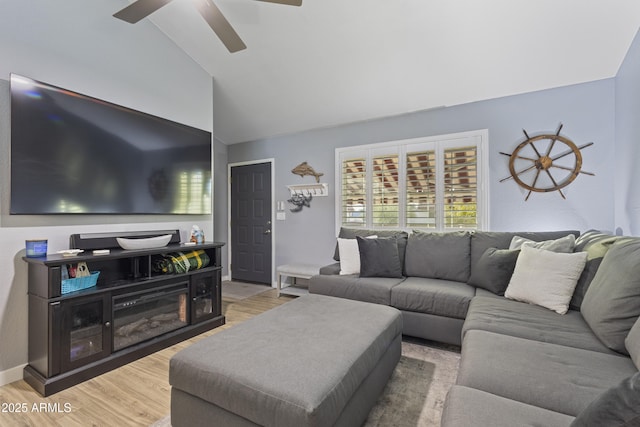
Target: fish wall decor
[305,169]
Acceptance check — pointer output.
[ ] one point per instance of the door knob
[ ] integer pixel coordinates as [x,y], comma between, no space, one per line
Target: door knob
[267,232]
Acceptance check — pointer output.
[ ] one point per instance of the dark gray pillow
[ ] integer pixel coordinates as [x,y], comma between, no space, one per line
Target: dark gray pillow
[611,305]
[494,269]
[617,407]
[595,244]
[379,257]
[439,255]
[351,233]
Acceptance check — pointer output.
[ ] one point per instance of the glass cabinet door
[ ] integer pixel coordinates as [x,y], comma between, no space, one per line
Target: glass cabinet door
[205,294]
[85,334]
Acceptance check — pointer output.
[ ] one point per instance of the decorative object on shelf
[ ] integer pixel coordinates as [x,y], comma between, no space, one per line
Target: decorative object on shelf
[305,169]
[79,283]
[179,262]
[144,243]
[82,270]
[531,163]
[299,201]
[106,240]
[70,252]
[36,248]
[197,235]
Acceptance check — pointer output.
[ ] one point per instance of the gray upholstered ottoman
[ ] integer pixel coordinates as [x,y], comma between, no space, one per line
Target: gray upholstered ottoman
[314,361]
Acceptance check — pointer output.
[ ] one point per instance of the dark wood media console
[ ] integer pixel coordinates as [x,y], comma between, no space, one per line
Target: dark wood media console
[132,311]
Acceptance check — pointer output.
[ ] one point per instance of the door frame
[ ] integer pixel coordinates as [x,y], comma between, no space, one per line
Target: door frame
[271,161]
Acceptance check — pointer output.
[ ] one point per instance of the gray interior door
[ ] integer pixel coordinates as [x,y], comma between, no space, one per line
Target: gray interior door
[251,223]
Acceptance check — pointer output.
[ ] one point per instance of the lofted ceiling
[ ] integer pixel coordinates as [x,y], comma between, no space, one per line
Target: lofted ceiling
[331,62]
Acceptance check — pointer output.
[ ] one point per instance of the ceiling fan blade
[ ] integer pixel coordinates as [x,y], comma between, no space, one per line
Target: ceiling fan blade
[287,2]
[220,25]
[139,9]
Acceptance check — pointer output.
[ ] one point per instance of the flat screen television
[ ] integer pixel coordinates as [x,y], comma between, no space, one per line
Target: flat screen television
[74,154]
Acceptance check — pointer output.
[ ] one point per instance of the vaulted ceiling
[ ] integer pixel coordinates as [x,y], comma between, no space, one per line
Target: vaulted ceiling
[331,62]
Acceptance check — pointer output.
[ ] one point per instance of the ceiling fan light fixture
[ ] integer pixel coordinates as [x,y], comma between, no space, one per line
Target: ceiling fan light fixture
[140,9]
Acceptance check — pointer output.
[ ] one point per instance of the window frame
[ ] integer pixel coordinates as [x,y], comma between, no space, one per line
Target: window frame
[439,143]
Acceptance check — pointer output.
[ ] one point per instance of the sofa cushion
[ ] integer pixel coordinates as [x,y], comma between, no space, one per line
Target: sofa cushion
[367,289]
[503,316]
[550,376]
[632,343]
[546,278]
[433,296]
[350,261]
[617,407]
[351,233]
[330,269]
[379,257]
[483,240]
[494,269]
[563,244]
[466,407]
[438,255]
[611,305]
[595,244]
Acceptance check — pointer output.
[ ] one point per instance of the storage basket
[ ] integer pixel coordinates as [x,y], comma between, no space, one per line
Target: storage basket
[79,283]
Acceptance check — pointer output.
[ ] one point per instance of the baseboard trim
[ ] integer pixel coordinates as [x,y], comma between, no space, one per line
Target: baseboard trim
[226,278]
[11,375]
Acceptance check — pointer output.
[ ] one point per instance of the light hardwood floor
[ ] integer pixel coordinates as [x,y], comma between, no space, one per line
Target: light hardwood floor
[137,394]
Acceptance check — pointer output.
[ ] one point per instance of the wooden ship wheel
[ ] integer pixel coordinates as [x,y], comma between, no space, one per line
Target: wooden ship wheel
[545,163]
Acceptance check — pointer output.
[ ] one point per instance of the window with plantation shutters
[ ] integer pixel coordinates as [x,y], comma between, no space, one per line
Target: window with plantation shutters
[353,188]
[421,189]
[460,187]
[385,193]
[433,183]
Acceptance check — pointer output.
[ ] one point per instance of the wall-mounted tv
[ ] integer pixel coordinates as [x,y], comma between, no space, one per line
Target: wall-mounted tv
[74,154]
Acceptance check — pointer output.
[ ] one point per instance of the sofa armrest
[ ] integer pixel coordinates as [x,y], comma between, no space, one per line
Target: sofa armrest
[331,269]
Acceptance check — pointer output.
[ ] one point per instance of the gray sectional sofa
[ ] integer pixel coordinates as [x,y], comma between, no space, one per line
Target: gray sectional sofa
[522,364]
[435,290]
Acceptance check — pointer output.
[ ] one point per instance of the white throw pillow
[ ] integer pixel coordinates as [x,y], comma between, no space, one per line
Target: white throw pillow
[564,244]
[546,278]
[350,255]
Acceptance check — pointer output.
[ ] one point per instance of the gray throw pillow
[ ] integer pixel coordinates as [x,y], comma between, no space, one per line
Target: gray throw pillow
[563,244]
[379,257]
[596,245]
[617,407]
[439,255]
[351,233]
[483,240]
[611,305]
[494,270]
[632,343]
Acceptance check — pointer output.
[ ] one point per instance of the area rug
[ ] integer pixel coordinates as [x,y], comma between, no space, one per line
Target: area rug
[240,290]
[415,394]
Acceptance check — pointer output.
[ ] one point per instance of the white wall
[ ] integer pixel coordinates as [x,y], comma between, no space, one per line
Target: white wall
[135,66]
[627,190]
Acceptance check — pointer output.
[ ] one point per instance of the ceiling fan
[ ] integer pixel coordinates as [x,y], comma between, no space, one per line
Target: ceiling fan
[140,9]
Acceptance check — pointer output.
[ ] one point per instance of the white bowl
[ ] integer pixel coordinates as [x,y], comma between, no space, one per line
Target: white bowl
[146,243]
